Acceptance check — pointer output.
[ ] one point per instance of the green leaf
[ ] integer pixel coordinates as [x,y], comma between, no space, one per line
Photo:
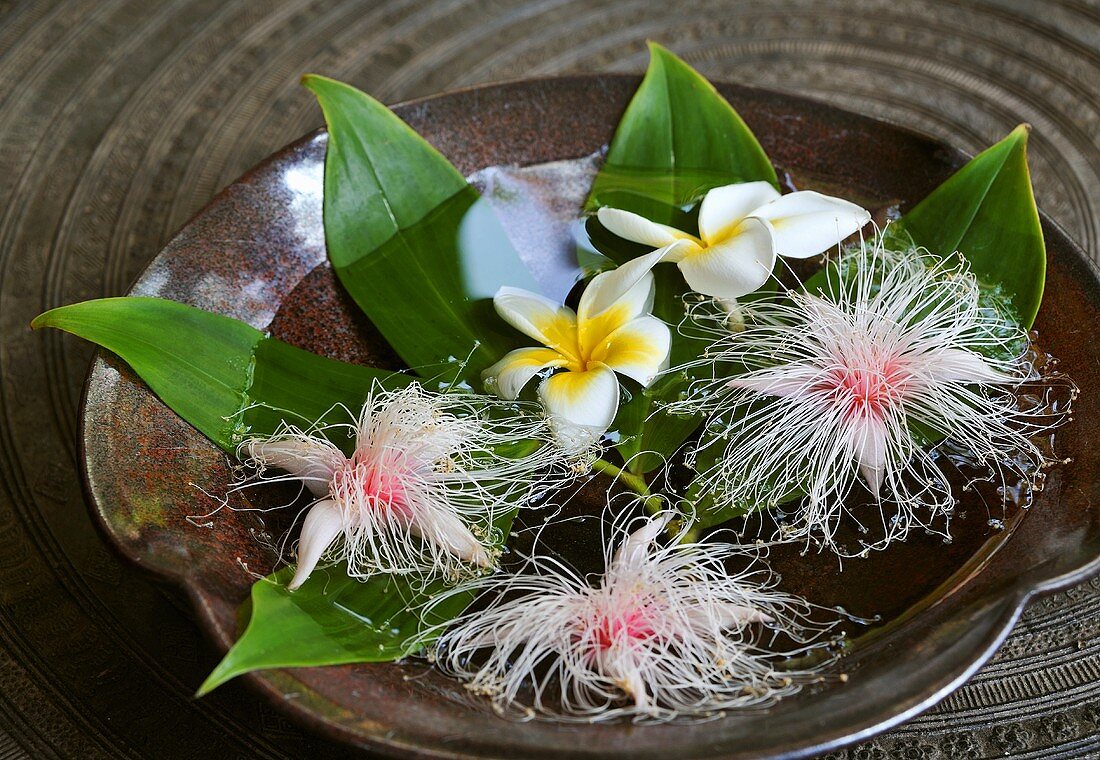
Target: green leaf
[333,619]
[986,211]
[418,249]
[677,139]
[228,379]
[224,377]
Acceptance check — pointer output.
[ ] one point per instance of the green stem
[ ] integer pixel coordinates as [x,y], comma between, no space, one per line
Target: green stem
[635,483]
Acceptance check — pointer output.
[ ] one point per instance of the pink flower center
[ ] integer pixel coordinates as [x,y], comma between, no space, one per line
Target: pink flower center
[868,389]
[377,486]
[603,631]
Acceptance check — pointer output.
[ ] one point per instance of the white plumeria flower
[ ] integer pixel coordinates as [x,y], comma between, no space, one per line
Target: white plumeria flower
[741,229]
[669,631]
[422,486]
[834,383]
[611,332]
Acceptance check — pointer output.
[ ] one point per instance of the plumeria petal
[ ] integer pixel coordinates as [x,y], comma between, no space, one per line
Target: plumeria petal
[629,285]
[587,399]
[631,226]
[806,223]
[676,252]
[536,316]
[735,267]
[310,460]
[638,349]
[724,207]
[627,288]
[323,523]
[507,377]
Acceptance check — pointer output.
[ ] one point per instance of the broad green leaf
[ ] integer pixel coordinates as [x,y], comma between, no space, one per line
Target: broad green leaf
[227,379]
[418,249]
[986,211]
[224,377]
[332,619]
[677,139]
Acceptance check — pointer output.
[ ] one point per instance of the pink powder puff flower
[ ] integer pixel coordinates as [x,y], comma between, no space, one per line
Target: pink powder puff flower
[821,389]
[667,632]
[420,491]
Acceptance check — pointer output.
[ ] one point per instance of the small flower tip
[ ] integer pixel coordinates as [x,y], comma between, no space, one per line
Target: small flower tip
[322,525]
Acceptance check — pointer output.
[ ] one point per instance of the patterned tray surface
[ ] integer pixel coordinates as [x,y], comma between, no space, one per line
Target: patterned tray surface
[121,118]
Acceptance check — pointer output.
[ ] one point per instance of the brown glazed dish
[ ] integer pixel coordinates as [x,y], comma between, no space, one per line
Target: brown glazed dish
[257,253]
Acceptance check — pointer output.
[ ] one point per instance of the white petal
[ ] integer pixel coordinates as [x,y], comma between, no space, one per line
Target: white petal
[634,551]
[807,223]
[634,685]
[631,226]
[723,207]
[507,377]
[586,399]
[733,268]
[630,285]
[792,380]
[960,366]
[726,615]
[534,315]
[322,525]
[447,531]
[736,615]
[309,460]
[868,436]
[638,349]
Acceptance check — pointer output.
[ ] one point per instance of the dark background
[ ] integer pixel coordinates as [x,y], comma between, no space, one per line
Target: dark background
[120,118]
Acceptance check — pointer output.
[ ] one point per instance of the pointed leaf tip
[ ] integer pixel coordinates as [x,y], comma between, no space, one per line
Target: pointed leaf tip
[656,48]
[677,139]
[986,211]
[220,675]
[402,226]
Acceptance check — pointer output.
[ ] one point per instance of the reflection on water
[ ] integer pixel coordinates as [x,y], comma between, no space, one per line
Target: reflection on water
[447,266]
[538,206]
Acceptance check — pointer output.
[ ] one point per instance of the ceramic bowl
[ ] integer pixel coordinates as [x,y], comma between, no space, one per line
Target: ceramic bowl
[257,253]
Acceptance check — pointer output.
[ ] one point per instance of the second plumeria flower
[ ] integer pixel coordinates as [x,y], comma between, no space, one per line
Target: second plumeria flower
[428,475]
[742,228]
[611,332]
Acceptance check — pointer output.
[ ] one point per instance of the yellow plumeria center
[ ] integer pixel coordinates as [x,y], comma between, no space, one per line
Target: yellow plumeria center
[586,344]
[723,235]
